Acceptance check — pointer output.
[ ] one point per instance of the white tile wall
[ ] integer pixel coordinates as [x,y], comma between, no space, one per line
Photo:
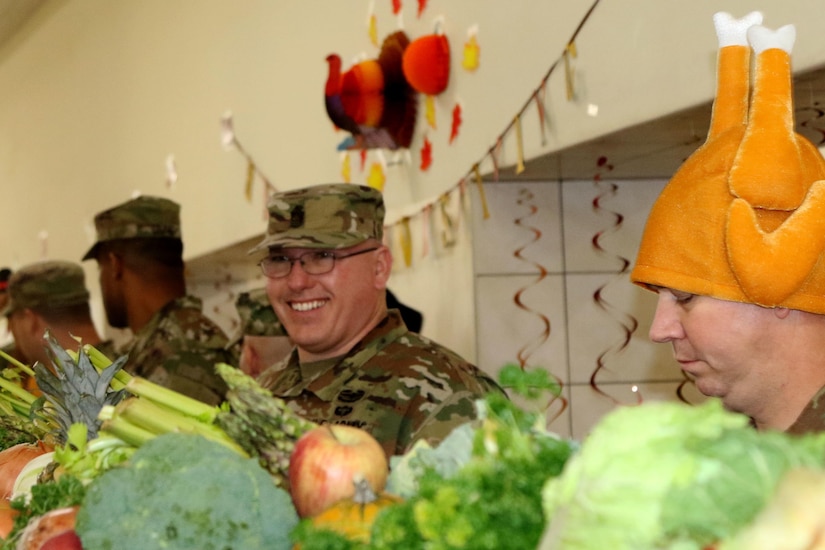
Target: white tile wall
[559,254]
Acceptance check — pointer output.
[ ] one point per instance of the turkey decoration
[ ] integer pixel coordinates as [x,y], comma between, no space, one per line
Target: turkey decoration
[376,101]
[373,100]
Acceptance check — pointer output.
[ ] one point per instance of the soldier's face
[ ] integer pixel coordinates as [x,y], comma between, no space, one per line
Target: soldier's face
[27,331]
[114,302]
[325,315]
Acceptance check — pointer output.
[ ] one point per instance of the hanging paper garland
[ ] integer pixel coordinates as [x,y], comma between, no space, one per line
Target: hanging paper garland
[376,178]
[372,24]
[472,51]
[482,196]
[519,146]
[171,172]
[425,230]
[456,122]
[406,241]
[429,111]
[345,168]
[426,155]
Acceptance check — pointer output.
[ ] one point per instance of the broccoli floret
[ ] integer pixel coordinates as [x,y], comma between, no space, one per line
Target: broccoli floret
[182,491]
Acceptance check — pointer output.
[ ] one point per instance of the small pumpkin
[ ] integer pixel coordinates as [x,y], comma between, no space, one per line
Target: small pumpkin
[354,517]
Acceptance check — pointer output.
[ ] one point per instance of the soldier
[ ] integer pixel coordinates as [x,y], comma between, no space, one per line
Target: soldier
[7,345]
[51,297]
[139,253]
[262,340]
[355,362]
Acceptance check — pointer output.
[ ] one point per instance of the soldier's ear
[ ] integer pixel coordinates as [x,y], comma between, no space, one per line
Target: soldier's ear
[116,264]
[383,266]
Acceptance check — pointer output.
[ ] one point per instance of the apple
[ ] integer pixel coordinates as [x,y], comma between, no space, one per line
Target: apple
[328,460]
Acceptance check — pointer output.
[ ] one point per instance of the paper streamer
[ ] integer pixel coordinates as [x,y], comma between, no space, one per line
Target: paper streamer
[519,146]
[526,199]
[448,235]
[425,230]
[627,323]
[250,179]
[406,241]
[539,97]
[481,195]
[568,70]
[810,121]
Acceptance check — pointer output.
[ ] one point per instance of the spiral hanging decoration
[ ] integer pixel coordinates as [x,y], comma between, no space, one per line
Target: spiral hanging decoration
[627,322]
[526,199]
[680,389]
[812,121]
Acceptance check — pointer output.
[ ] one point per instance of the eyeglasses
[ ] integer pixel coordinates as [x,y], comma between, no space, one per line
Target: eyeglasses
[314,263]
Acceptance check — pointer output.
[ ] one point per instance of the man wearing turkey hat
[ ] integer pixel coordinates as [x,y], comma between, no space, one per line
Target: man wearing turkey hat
[735,244]
[355,362]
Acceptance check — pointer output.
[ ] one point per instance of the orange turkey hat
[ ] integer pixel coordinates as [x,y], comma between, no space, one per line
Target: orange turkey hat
[743,219]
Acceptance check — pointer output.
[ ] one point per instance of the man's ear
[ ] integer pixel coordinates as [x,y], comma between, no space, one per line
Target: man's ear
[383,267]
[116,264]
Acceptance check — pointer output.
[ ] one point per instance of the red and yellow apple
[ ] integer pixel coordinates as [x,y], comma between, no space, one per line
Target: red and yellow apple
[326,462]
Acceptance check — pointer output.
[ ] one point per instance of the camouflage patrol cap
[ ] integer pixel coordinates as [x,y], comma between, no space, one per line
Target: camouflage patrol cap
[336,215]
[46,285]
[153,217]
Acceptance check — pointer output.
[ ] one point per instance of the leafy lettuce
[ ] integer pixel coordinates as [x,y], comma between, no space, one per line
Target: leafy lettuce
[669,475]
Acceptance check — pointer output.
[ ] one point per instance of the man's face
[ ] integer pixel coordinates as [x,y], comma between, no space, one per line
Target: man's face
[114,303]
[28,338]
[325,315]
[726,347]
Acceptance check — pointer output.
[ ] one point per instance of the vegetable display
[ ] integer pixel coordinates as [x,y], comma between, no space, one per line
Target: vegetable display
[139,466]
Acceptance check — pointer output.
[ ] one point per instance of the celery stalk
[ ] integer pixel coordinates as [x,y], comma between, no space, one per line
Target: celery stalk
[25,368]
[126,431]
[172,399]
[17,391]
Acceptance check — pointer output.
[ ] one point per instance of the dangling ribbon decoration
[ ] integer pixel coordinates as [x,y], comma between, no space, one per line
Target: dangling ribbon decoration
[406,241]
[539,98]
[519,146]
[230,141]
[628,323]
[526,199]
[425,230]
[568,70]
[482,196]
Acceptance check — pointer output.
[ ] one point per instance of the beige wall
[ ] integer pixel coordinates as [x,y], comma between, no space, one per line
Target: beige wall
[95,94]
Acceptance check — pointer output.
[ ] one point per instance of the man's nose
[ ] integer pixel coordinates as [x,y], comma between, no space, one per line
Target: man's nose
[298,277]
[667,323]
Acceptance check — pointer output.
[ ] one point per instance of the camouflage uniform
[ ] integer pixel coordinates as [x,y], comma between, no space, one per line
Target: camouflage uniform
[179,346]
[178,349]
[257,318]
[396,384]
[812,418]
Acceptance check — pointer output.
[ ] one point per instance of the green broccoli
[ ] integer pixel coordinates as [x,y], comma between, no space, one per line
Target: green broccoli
[183,491]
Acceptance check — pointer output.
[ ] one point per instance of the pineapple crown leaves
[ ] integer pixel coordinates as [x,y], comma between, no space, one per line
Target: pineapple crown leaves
[75,388]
